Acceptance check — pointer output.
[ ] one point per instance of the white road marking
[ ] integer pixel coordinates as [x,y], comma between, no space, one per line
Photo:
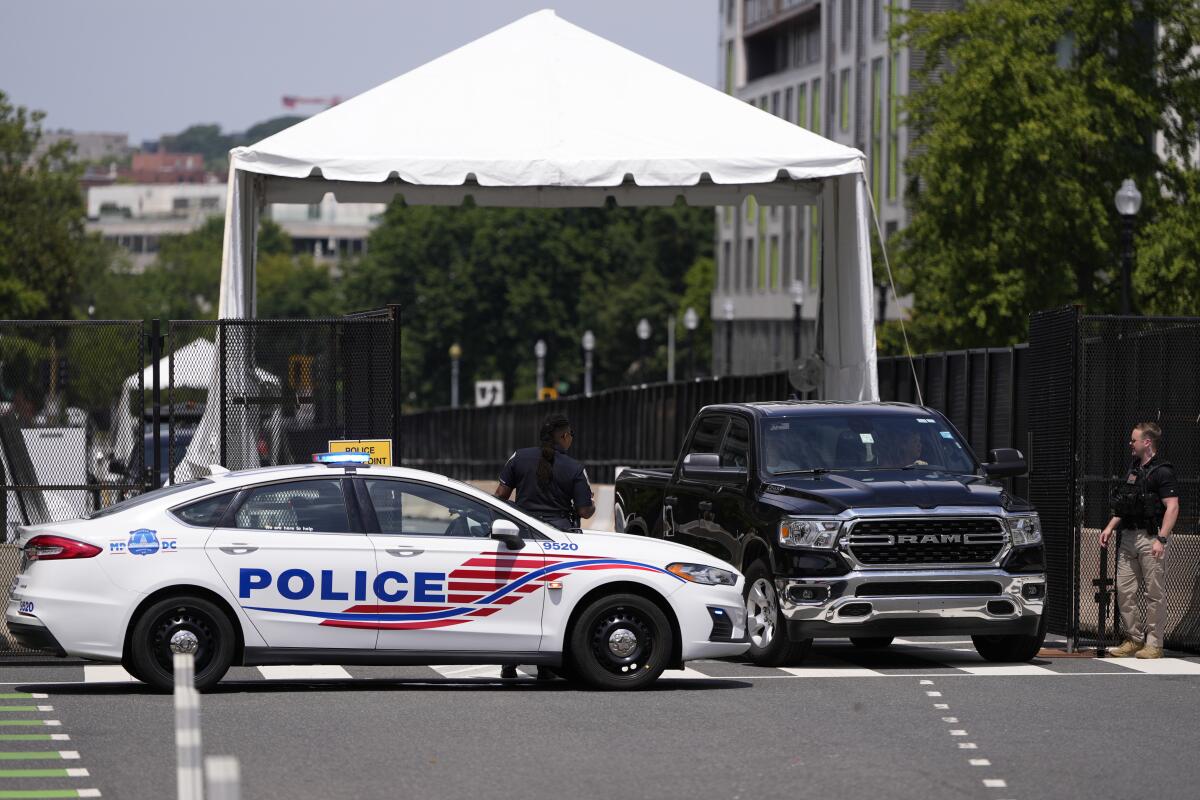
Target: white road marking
[941,706]
[958,732]
[686,673]
[45,708]
[77,772]
[831,672]
[68,755]
[967,746]
[89,792]
[37,696]
[303,672]
[949,719]
[473,671]
[994,783]
[933,694]
[1005,669]
[927,683]
[979,762]
[52,723]
[930,645]
[60,737]
[106,673]
[1159,666]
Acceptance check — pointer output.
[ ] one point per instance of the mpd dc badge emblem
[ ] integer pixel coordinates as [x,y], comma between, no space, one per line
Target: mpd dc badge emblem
[143,542]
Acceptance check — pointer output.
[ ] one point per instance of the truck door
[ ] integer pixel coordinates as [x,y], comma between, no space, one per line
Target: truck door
[688,504]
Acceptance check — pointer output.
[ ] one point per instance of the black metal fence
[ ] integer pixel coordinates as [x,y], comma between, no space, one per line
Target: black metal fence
[1096,378]
[981,391]
[94,411]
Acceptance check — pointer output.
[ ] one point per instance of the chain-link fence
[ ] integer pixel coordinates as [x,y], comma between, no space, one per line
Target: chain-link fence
[71,425]
[283,389]
[1094,379]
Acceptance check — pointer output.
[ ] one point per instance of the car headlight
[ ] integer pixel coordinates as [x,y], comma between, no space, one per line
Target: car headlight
[699,573]
[1025,529]
[819,532]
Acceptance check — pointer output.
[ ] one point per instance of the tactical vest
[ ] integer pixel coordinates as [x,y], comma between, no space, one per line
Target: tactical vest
[1133,503]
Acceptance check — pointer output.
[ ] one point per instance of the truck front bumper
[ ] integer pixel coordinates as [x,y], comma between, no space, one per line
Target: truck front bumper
[912,603]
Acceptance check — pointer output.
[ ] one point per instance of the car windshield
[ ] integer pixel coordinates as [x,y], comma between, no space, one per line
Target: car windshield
[861,441]
[139,499]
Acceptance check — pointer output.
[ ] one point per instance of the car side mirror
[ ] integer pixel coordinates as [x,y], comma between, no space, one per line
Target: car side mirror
[707,467]
[1005,462]
[507,531]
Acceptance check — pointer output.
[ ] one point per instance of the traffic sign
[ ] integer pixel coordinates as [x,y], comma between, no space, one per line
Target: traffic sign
[380,449]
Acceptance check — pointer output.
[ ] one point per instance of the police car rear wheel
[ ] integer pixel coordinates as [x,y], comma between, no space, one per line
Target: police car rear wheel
[620,642]
[182,624]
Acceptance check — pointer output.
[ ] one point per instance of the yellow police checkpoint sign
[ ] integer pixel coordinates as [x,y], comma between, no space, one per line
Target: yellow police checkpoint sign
[380,449]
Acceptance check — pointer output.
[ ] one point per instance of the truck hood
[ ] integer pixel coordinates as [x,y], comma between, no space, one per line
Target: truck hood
[642,548]
[833,492]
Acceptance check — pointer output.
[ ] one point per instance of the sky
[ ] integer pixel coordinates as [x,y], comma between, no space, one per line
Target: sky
[149,68]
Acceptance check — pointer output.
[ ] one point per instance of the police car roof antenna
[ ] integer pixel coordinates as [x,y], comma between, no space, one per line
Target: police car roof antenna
[912,364]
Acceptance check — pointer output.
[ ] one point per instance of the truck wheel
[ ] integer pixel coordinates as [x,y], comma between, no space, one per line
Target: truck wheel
[1011,648]
[765,624]
[178,622]
[871,642]
[620,642]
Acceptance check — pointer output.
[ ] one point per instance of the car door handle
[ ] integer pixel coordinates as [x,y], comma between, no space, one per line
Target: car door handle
[704,505]
[238,549]
[406,552]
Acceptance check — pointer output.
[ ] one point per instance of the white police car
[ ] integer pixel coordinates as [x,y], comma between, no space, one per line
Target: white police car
[344,563]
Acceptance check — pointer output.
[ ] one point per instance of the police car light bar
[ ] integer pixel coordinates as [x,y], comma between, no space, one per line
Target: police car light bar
[342,459]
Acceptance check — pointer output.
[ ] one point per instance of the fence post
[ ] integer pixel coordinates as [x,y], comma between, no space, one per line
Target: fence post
[189,770]
[222,778]
[156,394]
[222,334]
[394,316]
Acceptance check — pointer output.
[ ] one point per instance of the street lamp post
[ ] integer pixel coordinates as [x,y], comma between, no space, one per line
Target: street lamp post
[455,356]
[589,344]
[539,350]
[691,321]
[797,317]
[1129,202]
[643,334]
[728,337]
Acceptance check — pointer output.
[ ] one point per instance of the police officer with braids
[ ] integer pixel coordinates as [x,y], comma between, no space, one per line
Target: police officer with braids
[550,486]
[1145,508]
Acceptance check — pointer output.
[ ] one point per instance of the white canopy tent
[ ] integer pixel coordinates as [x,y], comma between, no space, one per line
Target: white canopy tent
[543,113]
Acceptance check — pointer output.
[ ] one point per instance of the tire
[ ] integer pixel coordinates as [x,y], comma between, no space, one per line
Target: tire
[622,641]
[127,664]
[871,642]
[1011,649]
[765,624]
[150,651]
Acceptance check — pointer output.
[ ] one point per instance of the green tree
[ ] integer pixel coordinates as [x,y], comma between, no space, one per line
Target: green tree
[1028,116]
[497,280]
[47,259]
[1166,279]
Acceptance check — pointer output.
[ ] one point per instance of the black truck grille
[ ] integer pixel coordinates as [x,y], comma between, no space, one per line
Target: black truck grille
[950,540]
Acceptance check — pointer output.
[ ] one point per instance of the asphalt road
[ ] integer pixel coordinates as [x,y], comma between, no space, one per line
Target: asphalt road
[915,721]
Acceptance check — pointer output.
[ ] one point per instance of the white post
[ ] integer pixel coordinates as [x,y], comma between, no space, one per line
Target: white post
[190,771]
[222,778]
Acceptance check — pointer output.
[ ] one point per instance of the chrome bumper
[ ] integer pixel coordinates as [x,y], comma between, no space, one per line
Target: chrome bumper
[843,602]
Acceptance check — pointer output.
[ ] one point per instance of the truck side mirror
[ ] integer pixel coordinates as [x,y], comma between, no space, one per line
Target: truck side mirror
[508,532]
[707,467]
[1005,462]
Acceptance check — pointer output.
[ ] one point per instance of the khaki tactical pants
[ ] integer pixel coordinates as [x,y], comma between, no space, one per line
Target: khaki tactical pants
[1137,567]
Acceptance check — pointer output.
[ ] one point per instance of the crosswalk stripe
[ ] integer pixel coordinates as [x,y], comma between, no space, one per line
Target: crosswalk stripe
[687,673]
[1158,666]
[305,672]
[464,672]
[30,794]
[1005,669]
[832,672]
[106,673]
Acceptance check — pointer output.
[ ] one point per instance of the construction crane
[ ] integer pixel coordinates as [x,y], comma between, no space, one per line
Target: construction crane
[291,101]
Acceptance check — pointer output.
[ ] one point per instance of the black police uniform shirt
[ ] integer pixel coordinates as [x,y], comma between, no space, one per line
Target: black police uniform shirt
[1160,483]
[567,490]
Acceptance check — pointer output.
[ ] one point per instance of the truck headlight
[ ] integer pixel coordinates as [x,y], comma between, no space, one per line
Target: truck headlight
[1025,529]
[699,573]
[820,532]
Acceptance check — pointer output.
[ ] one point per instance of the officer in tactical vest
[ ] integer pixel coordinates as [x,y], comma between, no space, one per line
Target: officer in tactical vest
[1144,509]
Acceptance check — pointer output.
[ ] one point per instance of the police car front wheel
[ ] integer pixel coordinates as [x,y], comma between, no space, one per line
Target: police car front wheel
[181,624]
[620,642]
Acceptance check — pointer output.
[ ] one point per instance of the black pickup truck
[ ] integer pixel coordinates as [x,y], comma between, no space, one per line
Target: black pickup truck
[864,521]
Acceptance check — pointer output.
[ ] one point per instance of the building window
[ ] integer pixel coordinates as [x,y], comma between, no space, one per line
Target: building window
[775,266]
[812,48]
[802,105]
[893,156]
[775,103]
[314,211]
[209,202]
[814,246]
[749,262]
[762,251]
[816,106]
[877,19]
[788,270]
[844,101]
[726,264]
[877,127]
[847,23]
[729,67]
[180,204]
[786,113]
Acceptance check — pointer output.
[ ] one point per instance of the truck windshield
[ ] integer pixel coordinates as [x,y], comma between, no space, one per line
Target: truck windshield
[828,442]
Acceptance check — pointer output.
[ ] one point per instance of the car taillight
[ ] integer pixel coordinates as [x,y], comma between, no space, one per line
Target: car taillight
[56,548]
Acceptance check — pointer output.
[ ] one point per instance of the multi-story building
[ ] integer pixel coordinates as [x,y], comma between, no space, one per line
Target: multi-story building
[827,66]
[137,216]
[169,168]
[89,146]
